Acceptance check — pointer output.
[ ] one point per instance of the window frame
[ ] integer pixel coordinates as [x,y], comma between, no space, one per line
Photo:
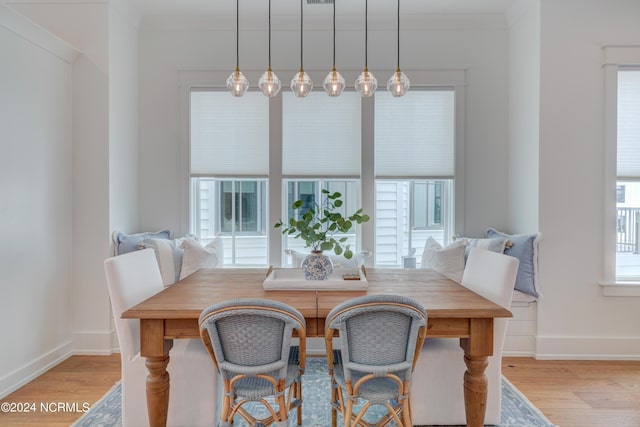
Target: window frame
[616,58]
[421,79]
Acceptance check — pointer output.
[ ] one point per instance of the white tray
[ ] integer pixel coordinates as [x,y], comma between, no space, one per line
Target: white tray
[293,279]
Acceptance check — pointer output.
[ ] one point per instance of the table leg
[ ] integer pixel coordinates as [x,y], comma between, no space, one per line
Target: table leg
[475,390]
[157,390]
[155,349]
[477,348]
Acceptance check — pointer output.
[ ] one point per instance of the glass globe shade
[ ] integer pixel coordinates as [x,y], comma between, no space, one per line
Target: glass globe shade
[237,83]
[366,84]
[301,84]
[398,83]
[334,83]
[269,83]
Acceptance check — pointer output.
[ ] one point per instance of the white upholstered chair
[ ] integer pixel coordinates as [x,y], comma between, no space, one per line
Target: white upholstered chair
[132,278]
[437,387]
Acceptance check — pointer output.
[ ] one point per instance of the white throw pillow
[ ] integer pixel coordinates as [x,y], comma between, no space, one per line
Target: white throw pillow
[169,254]
[448,261]
[197,256]
[494,244]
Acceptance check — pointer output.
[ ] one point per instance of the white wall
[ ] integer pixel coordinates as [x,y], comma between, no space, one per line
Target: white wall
[123,118]
[169,45]
[105,138]
[524,115]
[36,200]
[91,315]
[85,26]
[93,98]
[574,319]
[123,122]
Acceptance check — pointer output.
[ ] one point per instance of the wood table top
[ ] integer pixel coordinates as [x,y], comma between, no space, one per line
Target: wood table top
[441,297]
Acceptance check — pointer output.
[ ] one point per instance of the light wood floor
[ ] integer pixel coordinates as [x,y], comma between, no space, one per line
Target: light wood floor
[579,393]
[569,393]
[78,379]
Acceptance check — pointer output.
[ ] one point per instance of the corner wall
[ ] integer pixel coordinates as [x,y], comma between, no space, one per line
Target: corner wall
[36,202]
[523,164]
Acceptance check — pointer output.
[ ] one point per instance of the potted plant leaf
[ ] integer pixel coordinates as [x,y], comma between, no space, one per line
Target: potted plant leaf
[320,227]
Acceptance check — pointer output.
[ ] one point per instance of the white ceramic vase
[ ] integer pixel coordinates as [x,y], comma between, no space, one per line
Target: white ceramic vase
[317,266]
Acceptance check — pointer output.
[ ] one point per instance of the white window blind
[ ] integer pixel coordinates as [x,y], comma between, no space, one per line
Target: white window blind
[629,124]
[229,135]
[321,135]
[414,135]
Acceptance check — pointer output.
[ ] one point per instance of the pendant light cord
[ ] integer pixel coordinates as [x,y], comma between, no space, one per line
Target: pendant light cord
[366,33]
[237,34]
[269,34]
[334,33]
[301,34]
[398,34]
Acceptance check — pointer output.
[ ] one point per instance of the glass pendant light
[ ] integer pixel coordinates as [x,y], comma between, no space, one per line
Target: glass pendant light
[301,83]
[366,83]
[398,83]
[334,83]
[269,83]
[237,83]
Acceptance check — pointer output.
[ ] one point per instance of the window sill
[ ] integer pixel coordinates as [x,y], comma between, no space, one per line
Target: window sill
[621,289]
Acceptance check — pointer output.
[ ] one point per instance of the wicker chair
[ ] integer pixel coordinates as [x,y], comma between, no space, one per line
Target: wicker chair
[250,342]
[380,337]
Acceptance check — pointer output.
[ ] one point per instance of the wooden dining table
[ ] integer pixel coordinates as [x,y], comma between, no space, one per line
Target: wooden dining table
[453,312]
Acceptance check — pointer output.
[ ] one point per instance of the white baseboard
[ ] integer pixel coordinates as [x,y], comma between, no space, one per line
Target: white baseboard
[93,343]
[518,354]
[34,368]
[587,348]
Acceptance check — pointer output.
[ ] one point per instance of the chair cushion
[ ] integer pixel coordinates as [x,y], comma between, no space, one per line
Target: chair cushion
[376,390]
[253,388]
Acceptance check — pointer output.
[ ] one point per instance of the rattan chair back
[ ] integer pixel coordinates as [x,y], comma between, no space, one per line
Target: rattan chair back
[251,342]
[379,338]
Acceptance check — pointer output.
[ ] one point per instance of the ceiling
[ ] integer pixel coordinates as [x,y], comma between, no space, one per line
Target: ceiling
[292,7]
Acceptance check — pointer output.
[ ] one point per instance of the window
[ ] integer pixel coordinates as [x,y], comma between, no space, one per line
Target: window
[621,170]
[321,151]
[628,175]
[620,194]
[310,191]
[426,204]
[229,168]
[242,206]
[252,157]
[414,138]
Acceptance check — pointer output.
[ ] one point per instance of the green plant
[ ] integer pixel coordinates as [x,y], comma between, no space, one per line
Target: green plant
[318,225]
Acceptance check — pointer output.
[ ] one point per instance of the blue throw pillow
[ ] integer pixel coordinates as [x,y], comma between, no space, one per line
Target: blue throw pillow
[525,248]
[129,242]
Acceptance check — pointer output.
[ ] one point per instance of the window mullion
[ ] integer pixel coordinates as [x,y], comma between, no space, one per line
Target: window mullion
[367,232]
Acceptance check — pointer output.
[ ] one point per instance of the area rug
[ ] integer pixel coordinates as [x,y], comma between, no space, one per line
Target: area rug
[517,410]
